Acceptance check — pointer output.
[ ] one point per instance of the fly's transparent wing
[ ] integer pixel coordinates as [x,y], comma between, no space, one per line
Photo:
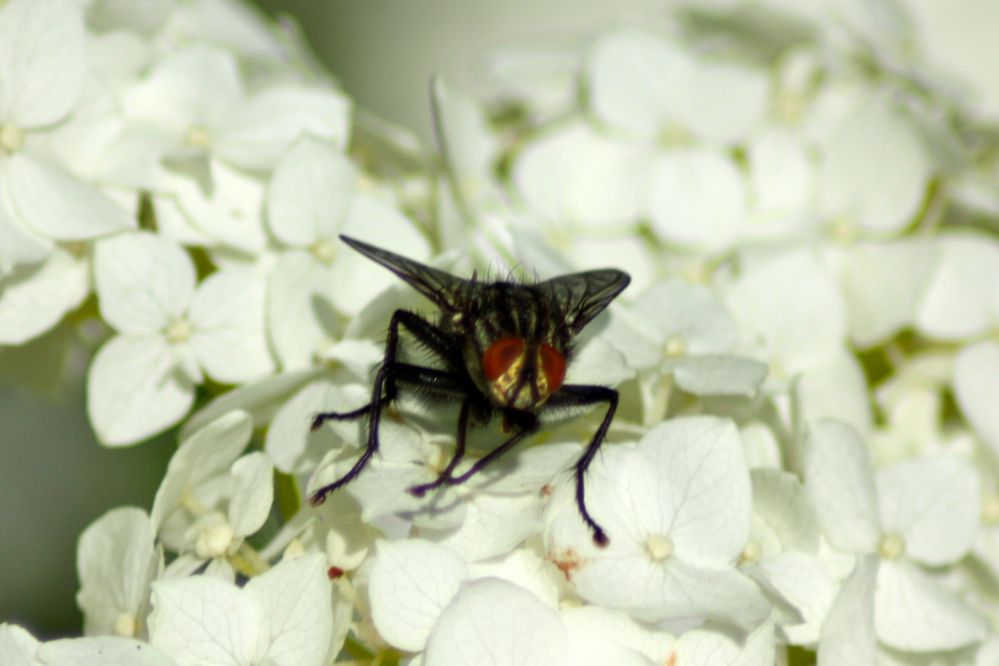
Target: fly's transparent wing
[582,296]
[442,288]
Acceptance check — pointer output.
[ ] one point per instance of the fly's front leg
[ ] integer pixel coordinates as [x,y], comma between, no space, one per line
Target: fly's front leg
[425,332]
[581,396]
[434,383]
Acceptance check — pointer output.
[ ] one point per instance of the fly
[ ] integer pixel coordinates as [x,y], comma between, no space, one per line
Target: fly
[503,349]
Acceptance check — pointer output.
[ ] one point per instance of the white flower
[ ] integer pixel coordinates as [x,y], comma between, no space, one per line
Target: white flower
[116,561]
[677,510]
[962,299]
[919,512]
[792,316]
[43,66]
[424,597]
[211,498]
[781,555]
[282,617]
[35,298]
[313,197]
[875,169]
[143,379]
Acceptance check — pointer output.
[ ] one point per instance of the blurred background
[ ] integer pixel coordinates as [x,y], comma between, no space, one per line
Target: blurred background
[55,479]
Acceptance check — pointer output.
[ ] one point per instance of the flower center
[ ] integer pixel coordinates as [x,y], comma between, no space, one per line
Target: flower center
[178,331]
[676,345]
[990,509]
[843,231]
[659,547]
[126,625]
[198,137]
[324,250]
[751,553]
[891,546]
[11,138]
[214,540]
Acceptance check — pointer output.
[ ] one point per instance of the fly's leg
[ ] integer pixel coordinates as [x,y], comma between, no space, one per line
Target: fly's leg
[425,332]
[384,389]
[459,453]
[580,396]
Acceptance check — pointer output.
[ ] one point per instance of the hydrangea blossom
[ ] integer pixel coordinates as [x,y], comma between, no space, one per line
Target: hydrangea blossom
[801,464]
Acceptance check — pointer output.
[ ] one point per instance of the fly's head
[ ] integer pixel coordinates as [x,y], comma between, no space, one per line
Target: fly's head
[522,374]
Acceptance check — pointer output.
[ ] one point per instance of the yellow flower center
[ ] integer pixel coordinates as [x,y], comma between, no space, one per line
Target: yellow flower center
[11,138]
[178,331]
[891,546]
[659,547]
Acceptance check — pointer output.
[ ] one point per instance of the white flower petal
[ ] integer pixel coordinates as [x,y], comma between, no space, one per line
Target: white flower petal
[356,280]
[207,452]
[875,169]
[294,324]
[102,651]
[636,80]
[579,177]
[599,636]
[17,646]
[493,525]
[720,375]
[933,503]
[976,385]
[697,198]
[961,299]
[43,61]
[227,318]
[695,454]
[310,193]
[801,581]
[411,583]
[715,648]
[194,88]
[686,315]
[260,399]
[835,387]
[848,632]
[726,101]
[291,444]
[252,494]
[792,306]
[144,282]
[18,243]
[297,613]
[781,173]
[256,134]
[883,284]
[839,476]
[913,612]
[202,619]
[782,505]
[57,204]
[145,19]
[116,561]
[33,299]
[230,212]
[134,390]
[495,622]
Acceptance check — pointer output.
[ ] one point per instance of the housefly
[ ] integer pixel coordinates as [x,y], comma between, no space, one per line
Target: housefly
[501,348]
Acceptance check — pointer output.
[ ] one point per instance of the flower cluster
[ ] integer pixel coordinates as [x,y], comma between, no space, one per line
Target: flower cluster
[802,462]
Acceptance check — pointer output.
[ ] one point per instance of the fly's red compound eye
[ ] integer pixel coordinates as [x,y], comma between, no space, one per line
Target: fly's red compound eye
[552,363]
[500,356]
